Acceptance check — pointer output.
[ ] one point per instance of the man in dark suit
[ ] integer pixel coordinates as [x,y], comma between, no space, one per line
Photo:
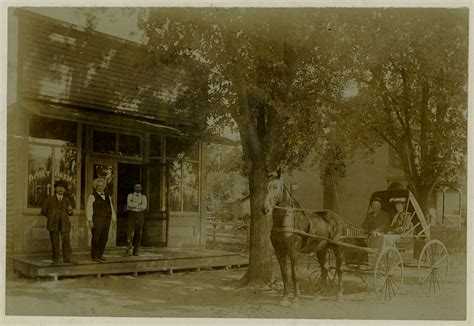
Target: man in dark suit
[57,209]
[377,221]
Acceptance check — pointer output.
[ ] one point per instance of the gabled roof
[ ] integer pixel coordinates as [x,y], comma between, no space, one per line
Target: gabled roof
[63,64]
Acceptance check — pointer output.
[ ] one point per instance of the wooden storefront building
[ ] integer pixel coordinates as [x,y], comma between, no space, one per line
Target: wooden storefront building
[86,107]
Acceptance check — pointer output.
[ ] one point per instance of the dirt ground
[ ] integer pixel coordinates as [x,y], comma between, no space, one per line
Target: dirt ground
[215,294]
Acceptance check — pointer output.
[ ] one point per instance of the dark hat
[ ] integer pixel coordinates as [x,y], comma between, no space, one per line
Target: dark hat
[61,183]
[398,200]
[376,199]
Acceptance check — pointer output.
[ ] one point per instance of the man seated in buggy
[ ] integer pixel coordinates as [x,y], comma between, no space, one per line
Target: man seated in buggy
[402,212]
[377,220]
[385,235]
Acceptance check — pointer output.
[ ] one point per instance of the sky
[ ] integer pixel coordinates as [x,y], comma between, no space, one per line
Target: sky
[112,21]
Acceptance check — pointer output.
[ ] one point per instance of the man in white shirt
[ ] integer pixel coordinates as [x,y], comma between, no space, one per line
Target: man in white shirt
[100,212]
[136,205]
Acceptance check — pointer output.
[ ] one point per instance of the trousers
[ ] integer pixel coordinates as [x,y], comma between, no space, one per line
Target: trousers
[100,234]
[135,229]
[66,245]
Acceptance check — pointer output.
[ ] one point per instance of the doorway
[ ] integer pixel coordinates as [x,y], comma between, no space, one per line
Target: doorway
[128,175]
[156,223]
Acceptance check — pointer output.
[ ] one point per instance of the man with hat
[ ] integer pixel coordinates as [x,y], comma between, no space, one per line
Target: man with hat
[377,221]
[57,208]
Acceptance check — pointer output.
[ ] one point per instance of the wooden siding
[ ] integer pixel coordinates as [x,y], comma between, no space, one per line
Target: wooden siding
[64,65]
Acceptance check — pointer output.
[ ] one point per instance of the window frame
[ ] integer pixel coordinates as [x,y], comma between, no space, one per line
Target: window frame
[169,160]
[117,133]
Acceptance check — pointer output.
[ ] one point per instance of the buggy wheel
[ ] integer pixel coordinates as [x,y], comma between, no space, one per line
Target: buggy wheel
[314,270]
[388,274]
[433,267]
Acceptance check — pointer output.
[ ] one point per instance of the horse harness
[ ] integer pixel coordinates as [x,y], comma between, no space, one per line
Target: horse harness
[291,228]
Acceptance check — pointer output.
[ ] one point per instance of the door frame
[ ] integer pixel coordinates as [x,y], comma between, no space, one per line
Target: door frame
[163,214]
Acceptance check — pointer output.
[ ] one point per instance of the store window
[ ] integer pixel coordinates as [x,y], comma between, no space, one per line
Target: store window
[52,155]
[103,142]
[129,145]
[155,146]
[183,158]
[112,143]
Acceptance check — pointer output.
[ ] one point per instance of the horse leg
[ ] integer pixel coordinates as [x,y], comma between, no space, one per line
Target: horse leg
[294,275]
[281,257]
[321,254]
[338,253]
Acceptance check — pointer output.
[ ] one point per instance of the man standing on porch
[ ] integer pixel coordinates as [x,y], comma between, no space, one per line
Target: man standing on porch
[136,205]
[99,212]
[57,209]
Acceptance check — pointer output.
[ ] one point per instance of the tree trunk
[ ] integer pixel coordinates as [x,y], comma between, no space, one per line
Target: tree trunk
[424,198]
[329,193]
[259,272]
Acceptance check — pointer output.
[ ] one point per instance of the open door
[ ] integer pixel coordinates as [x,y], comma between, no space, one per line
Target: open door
[128,174]
[156,221]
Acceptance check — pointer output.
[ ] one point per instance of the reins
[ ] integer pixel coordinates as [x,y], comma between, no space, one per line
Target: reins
[292,209]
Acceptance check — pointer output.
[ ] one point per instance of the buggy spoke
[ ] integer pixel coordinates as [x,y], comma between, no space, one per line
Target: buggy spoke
[440,261]
[441,277]
[388,289]
[436,281]
[394,267]
[381,282]
[398,286]
[391,290]
[423,280]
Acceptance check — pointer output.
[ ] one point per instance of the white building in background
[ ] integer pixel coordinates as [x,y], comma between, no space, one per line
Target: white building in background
[349,195]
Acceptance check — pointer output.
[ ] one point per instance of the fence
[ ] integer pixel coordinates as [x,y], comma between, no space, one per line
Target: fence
[235,236]
[229,235]
[453,237]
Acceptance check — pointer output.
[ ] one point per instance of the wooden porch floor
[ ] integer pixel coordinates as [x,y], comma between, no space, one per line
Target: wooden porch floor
[150,260]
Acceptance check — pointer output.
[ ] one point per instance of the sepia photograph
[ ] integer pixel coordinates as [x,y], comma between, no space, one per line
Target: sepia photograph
[285,163]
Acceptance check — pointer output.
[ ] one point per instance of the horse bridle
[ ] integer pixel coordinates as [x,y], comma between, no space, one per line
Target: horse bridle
[291,229]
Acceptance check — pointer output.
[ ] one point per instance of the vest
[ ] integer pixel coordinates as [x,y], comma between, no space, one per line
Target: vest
[101,207]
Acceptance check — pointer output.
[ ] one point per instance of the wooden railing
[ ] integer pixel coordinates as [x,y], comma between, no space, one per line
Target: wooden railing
[228,232]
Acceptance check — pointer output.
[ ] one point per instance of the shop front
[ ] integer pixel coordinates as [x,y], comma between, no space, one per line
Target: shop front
[95,128]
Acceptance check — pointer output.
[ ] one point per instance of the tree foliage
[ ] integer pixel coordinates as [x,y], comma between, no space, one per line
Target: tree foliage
[224,176]
[271,71]
[410,67]
[281,76]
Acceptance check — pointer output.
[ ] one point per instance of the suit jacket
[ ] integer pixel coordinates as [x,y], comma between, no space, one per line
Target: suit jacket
[56,211]
[380,223]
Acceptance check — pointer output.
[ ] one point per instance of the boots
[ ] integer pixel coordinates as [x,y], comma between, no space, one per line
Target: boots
[128,250]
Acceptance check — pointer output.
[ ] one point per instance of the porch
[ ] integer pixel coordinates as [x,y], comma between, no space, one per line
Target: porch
[150,260]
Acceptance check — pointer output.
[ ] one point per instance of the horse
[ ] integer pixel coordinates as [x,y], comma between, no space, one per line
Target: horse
[289,235]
